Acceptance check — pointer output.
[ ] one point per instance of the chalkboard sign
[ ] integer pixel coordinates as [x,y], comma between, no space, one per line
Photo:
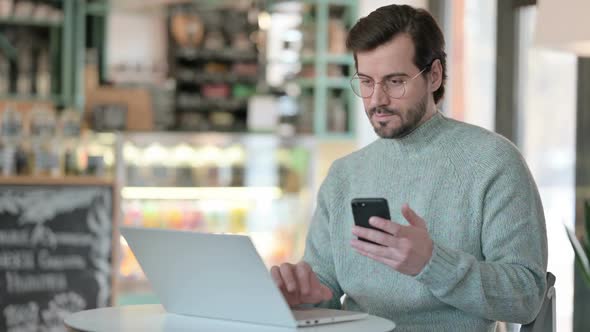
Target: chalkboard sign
[55,254]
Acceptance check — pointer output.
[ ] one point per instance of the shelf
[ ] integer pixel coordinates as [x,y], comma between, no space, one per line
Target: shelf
[331,2]
[306,82]
[29,22]
[227,54]
[341,59]
[194,103]
[171,138]
[31,98]
[58,181]
[330,82]
[194,193]
[335,59]
[337,137]
[338,83]
[203,78]
[97,8]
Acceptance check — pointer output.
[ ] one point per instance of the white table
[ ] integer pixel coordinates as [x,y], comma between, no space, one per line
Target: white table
[153,318]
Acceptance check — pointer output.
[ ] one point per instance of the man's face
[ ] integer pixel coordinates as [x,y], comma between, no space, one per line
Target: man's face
[390,117]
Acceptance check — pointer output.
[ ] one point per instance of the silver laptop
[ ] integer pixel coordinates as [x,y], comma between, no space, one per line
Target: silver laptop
[218,276]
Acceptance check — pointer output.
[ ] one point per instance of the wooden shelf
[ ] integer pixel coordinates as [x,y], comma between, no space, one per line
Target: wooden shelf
[57,181]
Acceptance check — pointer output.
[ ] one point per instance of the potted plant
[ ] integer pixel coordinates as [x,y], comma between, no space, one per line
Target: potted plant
[582,248]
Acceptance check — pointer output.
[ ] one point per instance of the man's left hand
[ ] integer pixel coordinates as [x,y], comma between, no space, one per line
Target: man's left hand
[406,249]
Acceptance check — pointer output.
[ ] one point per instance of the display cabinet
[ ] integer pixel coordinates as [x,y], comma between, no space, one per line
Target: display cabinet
[256,184]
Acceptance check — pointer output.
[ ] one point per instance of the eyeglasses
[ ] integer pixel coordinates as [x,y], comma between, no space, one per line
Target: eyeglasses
[395,87]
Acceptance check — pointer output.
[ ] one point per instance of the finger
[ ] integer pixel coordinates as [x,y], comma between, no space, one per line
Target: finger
[382,238]
[387,226]
[389,262]
[288,277]
[412,217]
[276,276]
[371,248]
[302,272]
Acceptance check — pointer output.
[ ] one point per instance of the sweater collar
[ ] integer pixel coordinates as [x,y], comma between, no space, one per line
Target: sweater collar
[421,137]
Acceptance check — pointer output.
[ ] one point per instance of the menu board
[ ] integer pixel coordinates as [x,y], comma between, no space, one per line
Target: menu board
[55,254]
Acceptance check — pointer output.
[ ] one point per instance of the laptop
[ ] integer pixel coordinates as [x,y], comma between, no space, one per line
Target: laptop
[219,276]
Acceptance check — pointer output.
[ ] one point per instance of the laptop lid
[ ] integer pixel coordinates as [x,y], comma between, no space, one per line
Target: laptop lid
[201,275]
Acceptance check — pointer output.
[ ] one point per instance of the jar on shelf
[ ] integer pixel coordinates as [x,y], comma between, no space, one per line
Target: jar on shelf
[4,74]
[70,122]
[10,139]
[45,145]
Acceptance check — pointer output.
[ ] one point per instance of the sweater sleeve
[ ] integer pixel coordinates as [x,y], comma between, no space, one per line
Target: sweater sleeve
[509,283]
[318,248]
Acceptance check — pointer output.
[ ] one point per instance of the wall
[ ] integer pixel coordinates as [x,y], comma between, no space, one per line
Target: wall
[136,38]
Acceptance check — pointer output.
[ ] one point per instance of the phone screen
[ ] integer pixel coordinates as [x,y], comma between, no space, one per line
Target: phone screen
[365,208]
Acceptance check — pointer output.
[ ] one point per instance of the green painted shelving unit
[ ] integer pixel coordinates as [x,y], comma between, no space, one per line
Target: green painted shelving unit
[67,49]
[322,85]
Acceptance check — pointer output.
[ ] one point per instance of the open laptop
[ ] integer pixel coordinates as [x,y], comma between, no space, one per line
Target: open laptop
[218,276]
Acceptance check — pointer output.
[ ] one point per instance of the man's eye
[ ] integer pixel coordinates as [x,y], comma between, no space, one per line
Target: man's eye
[366,82]
[395,81]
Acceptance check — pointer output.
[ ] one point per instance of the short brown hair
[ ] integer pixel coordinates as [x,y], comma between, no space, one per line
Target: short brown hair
[383,24]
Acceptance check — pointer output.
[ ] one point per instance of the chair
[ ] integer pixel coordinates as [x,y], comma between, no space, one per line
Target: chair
[545,320]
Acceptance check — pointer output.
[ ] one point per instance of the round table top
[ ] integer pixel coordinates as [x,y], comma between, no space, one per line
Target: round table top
[153,318]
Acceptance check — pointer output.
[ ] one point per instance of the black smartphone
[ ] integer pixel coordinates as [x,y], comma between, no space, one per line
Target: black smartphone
[365,208]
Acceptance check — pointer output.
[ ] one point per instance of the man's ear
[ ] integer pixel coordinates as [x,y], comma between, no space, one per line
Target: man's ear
[436,75]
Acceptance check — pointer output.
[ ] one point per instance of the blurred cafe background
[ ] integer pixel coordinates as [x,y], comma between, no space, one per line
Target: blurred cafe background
[224,116]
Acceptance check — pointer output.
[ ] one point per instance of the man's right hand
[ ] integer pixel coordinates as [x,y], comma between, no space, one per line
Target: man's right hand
[299,284]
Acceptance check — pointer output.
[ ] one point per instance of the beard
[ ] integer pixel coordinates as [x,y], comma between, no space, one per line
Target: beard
[408,123]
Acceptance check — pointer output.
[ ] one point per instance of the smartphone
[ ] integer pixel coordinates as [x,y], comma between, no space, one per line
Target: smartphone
[365,208]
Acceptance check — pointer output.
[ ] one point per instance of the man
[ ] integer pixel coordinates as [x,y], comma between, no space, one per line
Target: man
[466,245]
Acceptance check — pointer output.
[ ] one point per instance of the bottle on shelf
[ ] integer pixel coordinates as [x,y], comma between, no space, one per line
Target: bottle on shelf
[45,145]
[10,136]
[23,8]
[43,78]
[25,68]
[337,114]
[70,135]
[4,74]
[6,7]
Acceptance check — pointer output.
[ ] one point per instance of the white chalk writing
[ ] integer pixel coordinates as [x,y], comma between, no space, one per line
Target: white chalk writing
[74,239]
[47,261]
[17,314]
[60,306]
[25,283]
[17,260]
[39,206]
[14,237]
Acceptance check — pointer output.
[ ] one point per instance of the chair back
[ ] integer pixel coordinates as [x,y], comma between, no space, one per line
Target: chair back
[545,320]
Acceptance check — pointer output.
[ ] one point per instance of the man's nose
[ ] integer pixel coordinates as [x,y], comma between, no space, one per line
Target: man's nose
[379,97]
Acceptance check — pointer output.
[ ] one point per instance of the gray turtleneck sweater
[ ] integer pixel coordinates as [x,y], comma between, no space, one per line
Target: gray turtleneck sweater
[483,212]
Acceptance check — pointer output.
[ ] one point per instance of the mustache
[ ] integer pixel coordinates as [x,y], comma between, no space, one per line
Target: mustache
[384,111]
